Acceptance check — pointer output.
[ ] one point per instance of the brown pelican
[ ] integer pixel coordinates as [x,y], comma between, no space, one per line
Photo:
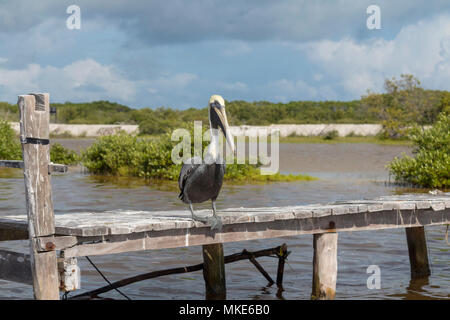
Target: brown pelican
[201,179]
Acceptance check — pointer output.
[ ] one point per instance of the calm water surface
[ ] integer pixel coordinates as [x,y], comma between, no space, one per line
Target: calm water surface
[346,171]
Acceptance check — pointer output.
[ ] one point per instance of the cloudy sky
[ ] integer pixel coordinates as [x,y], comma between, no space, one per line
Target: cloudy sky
[178,52]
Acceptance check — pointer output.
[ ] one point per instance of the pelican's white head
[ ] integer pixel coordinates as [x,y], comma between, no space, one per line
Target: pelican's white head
[218,118]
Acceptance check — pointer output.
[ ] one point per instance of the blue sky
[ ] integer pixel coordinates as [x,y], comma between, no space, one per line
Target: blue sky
[177,53]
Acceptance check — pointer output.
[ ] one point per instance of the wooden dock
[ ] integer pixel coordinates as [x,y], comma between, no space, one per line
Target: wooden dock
[99,233]
[57,239]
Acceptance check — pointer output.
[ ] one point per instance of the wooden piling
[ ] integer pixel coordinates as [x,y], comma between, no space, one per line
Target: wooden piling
[214,271]
[34,135]
[418,255]
[282,255]
[324,266]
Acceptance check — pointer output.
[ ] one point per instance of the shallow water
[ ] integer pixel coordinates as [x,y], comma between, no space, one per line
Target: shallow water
[346,171]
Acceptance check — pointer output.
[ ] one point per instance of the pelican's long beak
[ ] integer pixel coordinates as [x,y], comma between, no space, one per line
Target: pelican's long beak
[223,123]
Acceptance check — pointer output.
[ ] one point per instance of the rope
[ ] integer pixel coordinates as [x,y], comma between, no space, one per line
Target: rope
[103,276]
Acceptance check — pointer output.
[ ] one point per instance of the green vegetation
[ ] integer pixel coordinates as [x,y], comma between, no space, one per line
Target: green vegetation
[126,155]
[61,155]
[9,112]
[404,105]
[404,109]
[430,166]
[10,148]
[331,135]
[9,144]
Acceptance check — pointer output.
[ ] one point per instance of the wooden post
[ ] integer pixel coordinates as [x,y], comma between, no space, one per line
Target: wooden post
[417,249]
[69,274]
[282,255]
[214,272]
[324,266]
[34,135]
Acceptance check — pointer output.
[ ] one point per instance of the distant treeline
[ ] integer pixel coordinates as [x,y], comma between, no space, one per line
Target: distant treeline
[238,112]
[404,103]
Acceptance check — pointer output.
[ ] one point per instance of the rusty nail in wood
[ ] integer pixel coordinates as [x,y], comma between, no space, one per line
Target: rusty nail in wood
[50,246]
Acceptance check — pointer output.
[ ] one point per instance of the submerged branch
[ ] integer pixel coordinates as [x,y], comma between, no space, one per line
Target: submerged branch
[154,274]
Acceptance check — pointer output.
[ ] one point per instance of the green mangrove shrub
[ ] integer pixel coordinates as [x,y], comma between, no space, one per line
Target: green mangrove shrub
[61,155]
[430,165]
[127,155]
[10,148]
[331,135]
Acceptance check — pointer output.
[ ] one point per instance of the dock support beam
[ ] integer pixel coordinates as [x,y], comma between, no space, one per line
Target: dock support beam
[417,249]
[324,266]
[214,272]
[34,136]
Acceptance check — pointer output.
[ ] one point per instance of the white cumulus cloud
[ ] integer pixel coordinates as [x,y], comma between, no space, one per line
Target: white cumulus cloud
[422,49]
[81,80]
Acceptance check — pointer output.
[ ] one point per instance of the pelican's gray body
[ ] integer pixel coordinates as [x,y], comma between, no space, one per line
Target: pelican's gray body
[200,182]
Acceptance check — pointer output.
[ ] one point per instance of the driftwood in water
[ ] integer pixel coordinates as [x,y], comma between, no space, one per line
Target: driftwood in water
[259,267]
[150,275]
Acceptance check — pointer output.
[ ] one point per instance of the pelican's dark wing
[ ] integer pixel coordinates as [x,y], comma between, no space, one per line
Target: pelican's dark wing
[189,166]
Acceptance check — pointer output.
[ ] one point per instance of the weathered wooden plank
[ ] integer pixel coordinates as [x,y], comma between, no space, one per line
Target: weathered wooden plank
[34,134]
[55,243]
[423,204]
[214,272]
[87,224]
[250,231]
[447,203]
[45,275]
[60,168]
[18,164]
[52,167]
[15,266]
[438,205]
[324,266]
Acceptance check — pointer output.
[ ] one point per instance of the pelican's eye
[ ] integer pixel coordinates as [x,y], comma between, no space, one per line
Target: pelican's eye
[216,104]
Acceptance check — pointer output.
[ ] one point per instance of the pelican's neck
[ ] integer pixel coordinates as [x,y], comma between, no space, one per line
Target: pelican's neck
[213,149]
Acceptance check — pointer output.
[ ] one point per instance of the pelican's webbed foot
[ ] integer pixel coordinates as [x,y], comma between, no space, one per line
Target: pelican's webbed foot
[196,217]
[216,222]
